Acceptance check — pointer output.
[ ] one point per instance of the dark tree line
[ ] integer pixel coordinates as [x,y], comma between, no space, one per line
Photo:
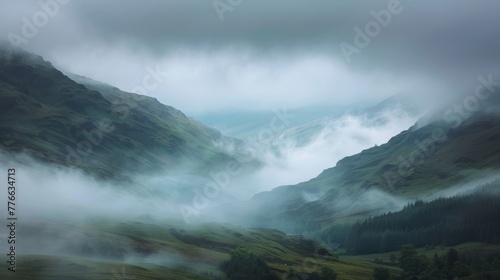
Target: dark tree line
[445,221]
[451,265]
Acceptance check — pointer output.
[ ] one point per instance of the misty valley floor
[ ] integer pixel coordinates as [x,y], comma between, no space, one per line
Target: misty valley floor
[135,250]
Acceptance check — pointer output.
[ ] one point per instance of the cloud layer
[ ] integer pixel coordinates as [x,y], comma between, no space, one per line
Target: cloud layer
[264,54]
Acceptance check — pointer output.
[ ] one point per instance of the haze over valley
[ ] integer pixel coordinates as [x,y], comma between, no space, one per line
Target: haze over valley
[249,140]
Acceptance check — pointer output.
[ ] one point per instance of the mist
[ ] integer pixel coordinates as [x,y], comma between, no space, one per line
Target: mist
[472,186]
[252,108]
[43,190]
[237,78]
[292,60]
[286,160]
[64,212]
[290,158]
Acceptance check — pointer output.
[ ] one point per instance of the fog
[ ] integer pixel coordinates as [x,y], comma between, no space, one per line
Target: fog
[43,190]
[82,213]
[488,177]
[238,79]
[46,189]
[288,161]
[258,57]
[64,212]
[254,59]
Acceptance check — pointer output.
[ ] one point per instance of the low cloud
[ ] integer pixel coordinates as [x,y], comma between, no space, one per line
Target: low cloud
[55,193]
[288,162]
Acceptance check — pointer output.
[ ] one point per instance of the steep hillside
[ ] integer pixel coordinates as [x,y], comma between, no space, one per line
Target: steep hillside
[468,217]
[417,163]
[108,133]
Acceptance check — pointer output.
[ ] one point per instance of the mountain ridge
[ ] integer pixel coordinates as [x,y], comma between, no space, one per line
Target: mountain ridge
[58,120]
[380,178]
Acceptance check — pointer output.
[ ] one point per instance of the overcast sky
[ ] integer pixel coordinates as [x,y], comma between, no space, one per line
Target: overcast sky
[261,54]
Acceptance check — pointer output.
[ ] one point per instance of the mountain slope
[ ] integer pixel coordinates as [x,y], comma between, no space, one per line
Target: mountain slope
[400,106]
[110,134]
[417,163]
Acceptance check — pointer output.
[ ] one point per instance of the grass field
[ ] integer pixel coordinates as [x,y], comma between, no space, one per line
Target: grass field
[139,250]
[101,249]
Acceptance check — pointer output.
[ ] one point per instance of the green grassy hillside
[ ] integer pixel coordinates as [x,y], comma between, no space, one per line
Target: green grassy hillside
[417,163]
[148,250]
[111,134]
[105,249]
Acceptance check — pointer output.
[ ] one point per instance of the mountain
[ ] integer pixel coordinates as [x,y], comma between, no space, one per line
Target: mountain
[470,216]
[432,156]
[304,125]
[242,124]
[98,128]
[65,120]
[401,106]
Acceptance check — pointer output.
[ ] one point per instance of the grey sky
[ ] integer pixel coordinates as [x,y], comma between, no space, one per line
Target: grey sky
[267,54]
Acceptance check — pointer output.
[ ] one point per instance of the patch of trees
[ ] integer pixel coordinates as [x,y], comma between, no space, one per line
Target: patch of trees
[450,266]
[244,265]
[445,221]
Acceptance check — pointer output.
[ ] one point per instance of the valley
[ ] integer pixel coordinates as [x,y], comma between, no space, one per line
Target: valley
[246,140]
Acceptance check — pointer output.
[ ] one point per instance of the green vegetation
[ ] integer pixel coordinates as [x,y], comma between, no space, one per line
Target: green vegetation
[48,115]
[370,183]
[98,128]
[155,248]
[479,260]
[448,266]
[326,274]
[445,221]
[244,265]
[380,273]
